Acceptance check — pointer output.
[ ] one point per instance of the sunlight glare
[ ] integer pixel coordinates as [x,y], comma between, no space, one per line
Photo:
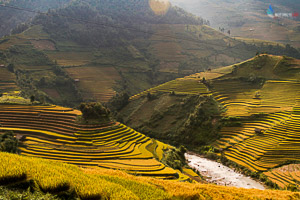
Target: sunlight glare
[159,7]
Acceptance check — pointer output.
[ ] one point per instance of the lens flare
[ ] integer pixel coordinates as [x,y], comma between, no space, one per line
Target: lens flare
[159,7]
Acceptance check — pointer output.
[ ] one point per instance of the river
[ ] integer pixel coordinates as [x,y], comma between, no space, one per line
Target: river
[215,172]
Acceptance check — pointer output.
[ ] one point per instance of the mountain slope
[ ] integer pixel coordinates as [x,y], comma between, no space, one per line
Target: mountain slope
[14,20]
[65,59]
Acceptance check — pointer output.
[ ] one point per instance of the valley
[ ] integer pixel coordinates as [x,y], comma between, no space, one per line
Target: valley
[149,99]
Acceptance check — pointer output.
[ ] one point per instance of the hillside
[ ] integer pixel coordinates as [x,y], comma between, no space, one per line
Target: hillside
[60,57]
[13,21]
[54,132]
[251,110]
[248,18]
[110,184]
[263,130]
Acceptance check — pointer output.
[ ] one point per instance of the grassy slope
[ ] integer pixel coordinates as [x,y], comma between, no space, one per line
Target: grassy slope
[99,183]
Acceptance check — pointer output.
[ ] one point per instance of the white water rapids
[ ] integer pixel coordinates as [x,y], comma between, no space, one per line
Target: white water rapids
[220,174]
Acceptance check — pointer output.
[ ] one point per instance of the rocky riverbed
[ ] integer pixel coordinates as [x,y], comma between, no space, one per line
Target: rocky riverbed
[219,174]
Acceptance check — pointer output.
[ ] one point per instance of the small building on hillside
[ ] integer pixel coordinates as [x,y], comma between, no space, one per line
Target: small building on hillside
[21,138]
[258,131]
[76,80]
[2,66]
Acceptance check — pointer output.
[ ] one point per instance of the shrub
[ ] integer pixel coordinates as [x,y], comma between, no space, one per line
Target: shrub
[119,101]
[175,158]
[292,187]
[94,110]
[8,143]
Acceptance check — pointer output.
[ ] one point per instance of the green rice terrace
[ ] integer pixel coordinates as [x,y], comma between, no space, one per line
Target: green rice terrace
[260,99]
[52,132]
[183,86]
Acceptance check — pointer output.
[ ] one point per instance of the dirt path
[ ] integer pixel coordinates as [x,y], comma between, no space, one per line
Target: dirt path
[215,172]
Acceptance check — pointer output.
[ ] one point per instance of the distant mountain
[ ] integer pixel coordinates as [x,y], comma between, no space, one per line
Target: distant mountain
[248,18]
[91,50]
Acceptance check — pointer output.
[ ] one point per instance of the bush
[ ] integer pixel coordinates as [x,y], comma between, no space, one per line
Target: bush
[94,110]
[175,158]
[119,101]
[8,143]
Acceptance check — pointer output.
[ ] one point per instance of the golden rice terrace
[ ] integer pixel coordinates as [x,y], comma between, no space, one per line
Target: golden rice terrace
[261,98]
[51,132]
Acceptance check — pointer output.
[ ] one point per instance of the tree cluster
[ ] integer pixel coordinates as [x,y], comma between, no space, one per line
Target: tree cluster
[8,143]
[104,16]
[202,125]
[119,101]
[94,111]
[175,158]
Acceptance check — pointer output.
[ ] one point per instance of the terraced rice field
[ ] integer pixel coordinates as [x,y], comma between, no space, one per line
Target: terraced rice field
[285,176]
[270,105]
[7,80]
[239,98]
[280,139]
[272,108]
[233,135]
[90,83]
[52,133]
[71,58]
[278,144]
[187,85]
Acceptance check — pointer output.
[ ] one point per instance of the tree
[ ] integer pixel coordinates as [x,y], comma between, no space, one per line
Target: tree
[119,101]
[149,96]
[32,98]
[94,111]
[11,68]
[8,143]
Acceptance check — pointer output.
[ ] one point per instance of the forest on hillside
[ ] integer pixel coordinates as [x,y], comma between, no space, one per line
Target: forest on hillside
[109,23]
